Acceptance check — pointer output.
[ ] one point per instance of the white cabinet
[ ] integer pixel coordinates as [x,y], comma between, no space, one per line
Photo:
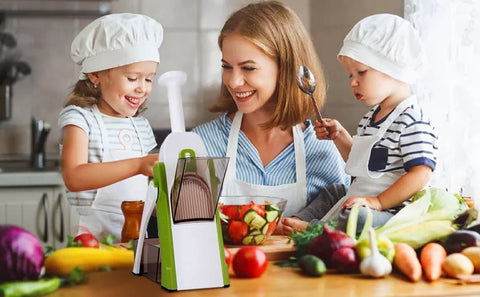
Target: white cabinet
[42,210]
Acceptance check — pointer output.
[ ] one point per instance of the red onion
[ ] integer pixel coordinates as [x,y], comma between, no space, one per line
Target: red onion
[21,254]
[324,245]
[344,260]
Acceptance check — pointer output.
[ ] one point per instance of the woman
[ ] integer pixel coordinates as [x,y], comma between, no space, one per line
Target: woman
[264,128]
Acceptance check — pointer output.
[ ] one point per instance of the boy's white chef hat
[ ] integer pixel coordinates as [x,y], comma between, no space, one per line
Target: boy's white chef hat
[115,40]
[387,43]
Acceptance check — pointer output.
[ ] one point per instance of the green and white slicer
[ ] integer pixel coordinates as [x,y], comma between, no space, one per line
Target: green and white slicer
[189,185]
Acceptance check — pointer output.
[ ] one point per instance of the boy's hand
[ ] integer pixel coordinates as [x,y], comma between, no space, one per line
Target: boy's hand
[290,225]
[370,201]
[327,129]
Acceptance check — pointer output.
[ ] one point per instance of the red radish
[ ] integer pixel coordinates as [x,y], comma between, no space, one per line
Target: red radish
[324,245]
[344,260]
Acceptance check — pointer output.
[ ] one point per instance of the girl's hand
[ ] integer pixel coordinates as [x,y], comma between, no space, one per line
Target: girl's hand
[290,225]
[328,129]
[370,201]
[146,164]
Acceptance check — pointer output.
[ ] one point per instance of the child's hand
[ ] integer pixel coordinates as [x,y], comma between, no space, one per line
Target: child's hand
[370,201]
[290,225]
[328,129]
[146,164]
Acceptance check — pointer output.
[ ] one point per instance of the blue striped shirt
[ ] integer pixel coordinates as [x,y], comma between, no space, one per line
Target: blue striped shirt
[85,119]
[409,141]
[324,165]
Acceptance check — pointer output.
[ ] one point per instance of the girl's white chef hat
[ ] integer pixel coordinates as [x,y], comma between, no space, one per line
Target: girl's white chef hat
[387,43]
[115,40]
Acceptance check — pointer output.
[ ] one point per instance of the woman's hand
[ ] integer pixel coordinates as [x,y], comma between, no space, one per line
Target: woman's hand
[371,201]
[146,164]
[328,129]
[290,225]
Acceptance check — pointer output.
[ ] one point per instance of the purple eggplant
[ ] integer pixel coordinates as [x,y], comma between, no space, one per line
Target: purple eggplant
[461,239]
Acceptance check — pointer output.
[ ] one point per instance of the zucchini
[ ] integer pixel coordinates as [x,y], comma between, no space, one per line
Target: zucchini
[63,261]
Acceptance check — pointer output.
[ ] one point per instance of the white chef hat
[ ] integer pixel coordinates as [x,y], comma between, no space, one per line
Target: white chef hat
[115,40]
[387,43]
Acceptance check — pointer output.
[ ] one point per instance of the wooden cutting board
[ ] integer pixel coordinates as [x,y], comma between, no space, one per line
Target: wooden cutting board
[276,247]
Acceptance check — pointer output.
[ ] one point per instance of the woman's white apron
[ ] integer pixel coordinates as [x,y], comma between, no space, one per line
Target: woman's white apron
[295,193]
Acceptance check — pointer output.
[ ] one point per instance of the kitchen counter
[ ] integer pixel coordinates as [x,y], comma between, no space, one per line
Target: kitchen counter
[276,281]
[31,178]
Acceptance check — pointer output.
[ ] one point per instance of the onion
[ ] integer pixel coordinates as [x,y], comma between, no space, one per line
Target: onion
[344,260]
[324,245]
[21,254]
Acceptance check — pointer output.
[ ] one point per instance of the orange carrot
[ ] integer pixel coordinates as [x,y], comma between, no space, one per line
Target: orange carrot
[431,257]
[407,262]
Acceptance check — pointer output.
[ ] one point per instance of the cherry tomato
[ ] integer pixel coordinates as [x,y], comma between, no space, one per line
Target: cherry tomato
[250,262]
[87,240]
[228,257]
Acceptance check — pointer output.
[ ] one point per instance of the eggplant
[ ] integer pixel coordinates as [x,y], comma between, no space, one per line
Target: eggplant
[461,239]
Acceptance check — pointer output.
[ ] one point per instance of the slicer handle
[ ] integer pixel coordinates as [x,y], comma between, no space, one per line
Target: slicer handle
[173,80]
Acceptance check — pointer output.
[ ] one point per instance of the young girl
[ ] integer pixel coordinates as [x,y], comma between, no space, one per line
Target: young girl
[393,154]
[105,142]
[263,127]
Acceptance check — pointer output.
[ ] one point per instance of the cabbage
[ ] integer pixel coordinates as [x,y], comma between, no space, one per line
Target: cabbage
[442,200]
[21,254]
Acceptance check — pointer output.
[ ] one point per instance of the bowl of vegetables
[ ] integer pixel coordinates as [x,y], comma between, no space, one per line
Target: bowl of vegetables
[249,220]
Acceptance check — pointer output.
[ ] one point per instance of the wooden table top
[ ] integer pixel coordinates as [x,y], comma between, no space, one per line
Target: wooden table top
[277,281]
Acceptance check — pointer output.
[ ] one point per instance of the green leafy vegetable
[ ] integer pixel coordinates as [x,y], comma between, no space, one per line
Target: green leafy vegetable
[109,239]
[302,239]
[71,243]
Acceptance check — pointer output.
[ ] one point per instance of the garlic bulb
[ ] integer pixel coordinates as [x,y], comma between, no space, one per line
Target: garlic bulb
[375,265]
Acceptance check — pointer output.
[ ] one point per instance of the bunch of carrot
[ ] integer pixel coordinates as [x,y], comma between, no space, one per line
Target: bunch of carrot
[430,261]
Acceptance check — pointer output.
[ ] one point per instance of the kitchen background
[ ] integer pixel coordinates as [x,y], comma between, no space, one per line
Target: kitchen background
[44,31]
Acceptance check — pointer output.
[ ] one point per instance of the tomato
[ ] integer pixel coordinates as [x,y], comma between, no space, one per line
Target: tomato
[249,261]
[237,231]
[260,209]
[228,256]
[231,211]
[87,240]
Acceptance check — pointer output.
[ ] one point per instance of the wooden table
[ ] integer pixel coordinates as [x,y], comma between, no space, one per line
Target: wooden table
[276,281]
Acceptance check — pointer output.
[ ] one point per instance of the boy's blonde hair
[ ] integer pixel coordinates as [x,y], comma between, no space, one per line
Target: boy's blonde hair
[278,32]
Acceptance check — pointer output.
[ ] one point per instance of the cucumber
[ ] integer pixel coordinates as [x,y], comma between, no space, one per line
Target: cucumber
[258,239]
[254,232]
[271,215]
[312,265]
[269,207]
[247,240]
[253,219]
[265,228]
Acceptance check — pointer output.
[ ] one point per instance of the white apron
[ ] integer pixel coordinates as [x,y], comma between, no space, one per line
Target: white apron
[295,193]
[105,215]
[366,182]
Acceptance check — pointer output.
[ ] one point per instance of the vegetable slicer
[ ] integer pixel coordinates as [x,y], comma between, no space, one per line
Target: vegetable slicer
[189,185]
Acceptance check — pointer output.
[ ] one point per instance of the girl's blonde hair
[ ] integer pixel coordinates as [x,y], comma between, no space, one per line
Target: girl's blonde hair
[85,94]
[279,33]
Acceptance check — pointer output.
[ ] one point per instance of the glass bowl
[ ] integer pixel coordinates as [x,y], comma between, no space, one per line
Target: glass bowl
[249,220]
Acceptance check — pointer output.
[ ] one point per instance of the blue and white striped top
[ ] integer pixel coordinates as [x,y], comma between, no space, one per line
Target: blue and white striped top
[324,165]
[409,141]
[85,119]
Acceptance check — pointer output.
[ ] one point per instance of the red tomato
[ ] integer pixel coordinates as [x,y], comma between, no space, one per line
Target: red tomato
[228,257]
[237,231]
[87,240]
[249,261]
[231,211]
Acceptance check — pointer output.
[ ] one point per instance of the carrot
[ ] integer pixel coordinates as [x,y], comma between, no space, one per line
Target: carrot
[407,262]
[431,257]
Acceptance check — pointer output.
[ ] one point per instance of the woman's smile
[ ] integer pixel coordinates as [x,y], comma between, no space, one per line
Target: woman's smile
[244,96]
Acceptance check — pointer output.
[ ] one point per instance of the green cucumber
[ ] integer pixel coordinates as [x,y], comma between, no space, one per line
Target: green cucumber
[258,239]
[29,288]
[247,240]
[271,215]
[269,207]
[265,228]
[253,219]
